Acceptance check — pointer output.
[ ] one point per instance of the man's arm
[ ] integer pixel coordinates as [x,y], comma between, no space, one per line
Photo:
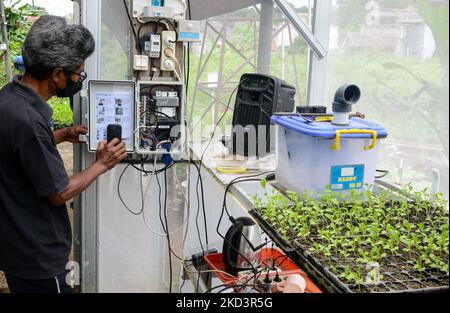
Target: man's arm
[70,134]
[108,156]
[60,135]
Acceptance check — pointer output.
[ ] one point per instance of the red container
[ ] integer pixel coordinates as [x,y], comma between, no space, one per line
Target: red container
[268,255]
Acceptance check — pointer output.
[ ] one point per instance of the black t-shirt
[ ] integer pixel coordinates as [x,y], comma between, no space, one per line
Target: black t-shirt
[35,236]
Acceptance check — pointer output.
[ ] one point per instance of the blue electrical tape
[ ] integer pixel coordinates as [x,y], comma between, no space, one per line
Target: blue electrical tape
[166,158]
[19,64]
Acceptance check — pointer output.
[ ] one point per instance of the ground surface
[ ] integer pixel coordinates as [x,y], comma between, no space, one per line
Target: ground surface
[66,151]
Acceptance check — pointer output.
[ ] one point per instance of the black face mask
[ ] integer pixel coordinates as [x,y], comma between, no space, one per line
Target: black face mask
[71,89]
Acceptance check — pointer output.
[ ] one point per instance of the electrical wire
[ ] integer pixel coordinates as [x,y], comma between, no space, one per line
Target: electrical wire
[225,209]
[214,271]
[189,9]
[182,285]
[245,284]
[136,38]
[120,194]
[200,184]
[154,173]
[220,121]
[384,173]
[168,234]
[171,24]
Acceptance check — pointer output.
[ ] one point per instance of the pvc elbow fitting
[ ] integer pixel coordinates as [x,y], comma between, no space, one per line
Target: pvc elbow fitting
[345,98]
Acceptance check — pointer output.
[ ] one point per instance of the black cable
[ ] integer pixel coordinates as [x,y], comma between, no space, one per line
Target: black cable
[238,180]
[149,172]
[168,233]
[120,194]
[171,24]
[200,184]
[165,223]
[220,121]
[136,38]
[225,209]
[189,9]
[160,205]
[157,112]
[274,263]
[384,173]
[165,230]
[182,285]
[199,167]
[245,284]
[199,171]
[140,30]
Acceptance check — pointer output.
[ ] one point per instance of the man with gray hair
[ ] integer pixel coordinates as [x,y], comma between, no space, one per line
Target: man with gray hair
[35,234]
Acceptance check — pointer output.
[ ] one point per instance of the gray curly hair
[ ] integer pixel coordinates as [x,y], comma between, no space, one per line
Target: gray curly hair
[53,43]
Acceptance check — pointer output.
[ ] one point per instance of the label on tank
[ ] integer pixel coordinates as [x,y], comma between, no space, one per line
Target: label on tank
[347,177]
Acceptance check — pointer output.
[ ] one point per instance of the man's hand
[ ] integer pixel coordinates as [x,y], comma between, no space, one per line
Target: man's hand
[71,134]
[111,154]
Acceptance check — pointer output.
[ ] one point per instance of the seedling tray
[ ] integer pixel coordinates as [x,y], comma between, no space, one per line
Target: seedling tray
[394,281]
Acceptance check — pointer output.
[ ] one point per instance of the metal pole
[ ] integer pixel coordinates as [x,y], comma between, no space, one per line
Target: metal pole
[317,71]
[3,25]
[302,28]
[265,37]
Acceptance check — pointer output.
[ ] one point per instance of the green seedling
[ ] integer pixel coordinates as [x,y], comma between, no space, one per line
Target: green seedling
[363,228]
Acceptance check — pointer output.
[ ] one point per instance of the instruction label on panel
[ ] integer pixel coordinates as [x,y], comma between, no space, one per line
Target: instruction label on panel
[348,177]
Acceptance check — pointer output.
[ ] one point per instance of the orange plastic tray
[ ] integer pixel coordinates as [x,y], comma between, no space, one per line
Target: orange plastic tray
[215,262]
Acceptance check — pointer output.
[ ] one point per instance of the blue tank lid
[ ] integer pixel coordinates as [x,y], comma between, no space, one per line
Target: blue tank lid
[327,129]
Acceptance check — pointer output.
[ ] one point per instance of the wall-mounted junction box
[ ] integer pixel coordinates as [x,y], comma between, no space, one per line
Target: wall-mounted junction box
[160,117]
[189,31]
[171,9]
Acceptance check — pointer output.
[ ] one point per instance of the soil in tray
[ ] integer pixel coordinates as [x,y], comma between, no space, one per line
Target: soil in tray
[347,237]
[369,289]
[414,285]
[432,283]
[401,276]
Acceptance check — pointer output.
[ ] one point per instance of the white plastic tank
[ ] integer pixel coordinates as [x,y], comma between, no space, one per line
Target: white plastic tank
[314,156]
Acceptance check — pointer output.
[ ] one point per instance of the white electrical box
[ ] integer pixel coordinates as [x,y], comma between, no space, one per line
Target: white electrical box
[189,31]
[141,63]
[160,118]
[111,102]
[172,9]
[2,47]
[152,12]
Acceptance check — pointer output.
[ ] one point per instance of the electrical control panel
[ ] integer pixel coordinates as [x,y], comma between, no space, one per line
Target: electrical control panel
[160,117]
[150,107]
